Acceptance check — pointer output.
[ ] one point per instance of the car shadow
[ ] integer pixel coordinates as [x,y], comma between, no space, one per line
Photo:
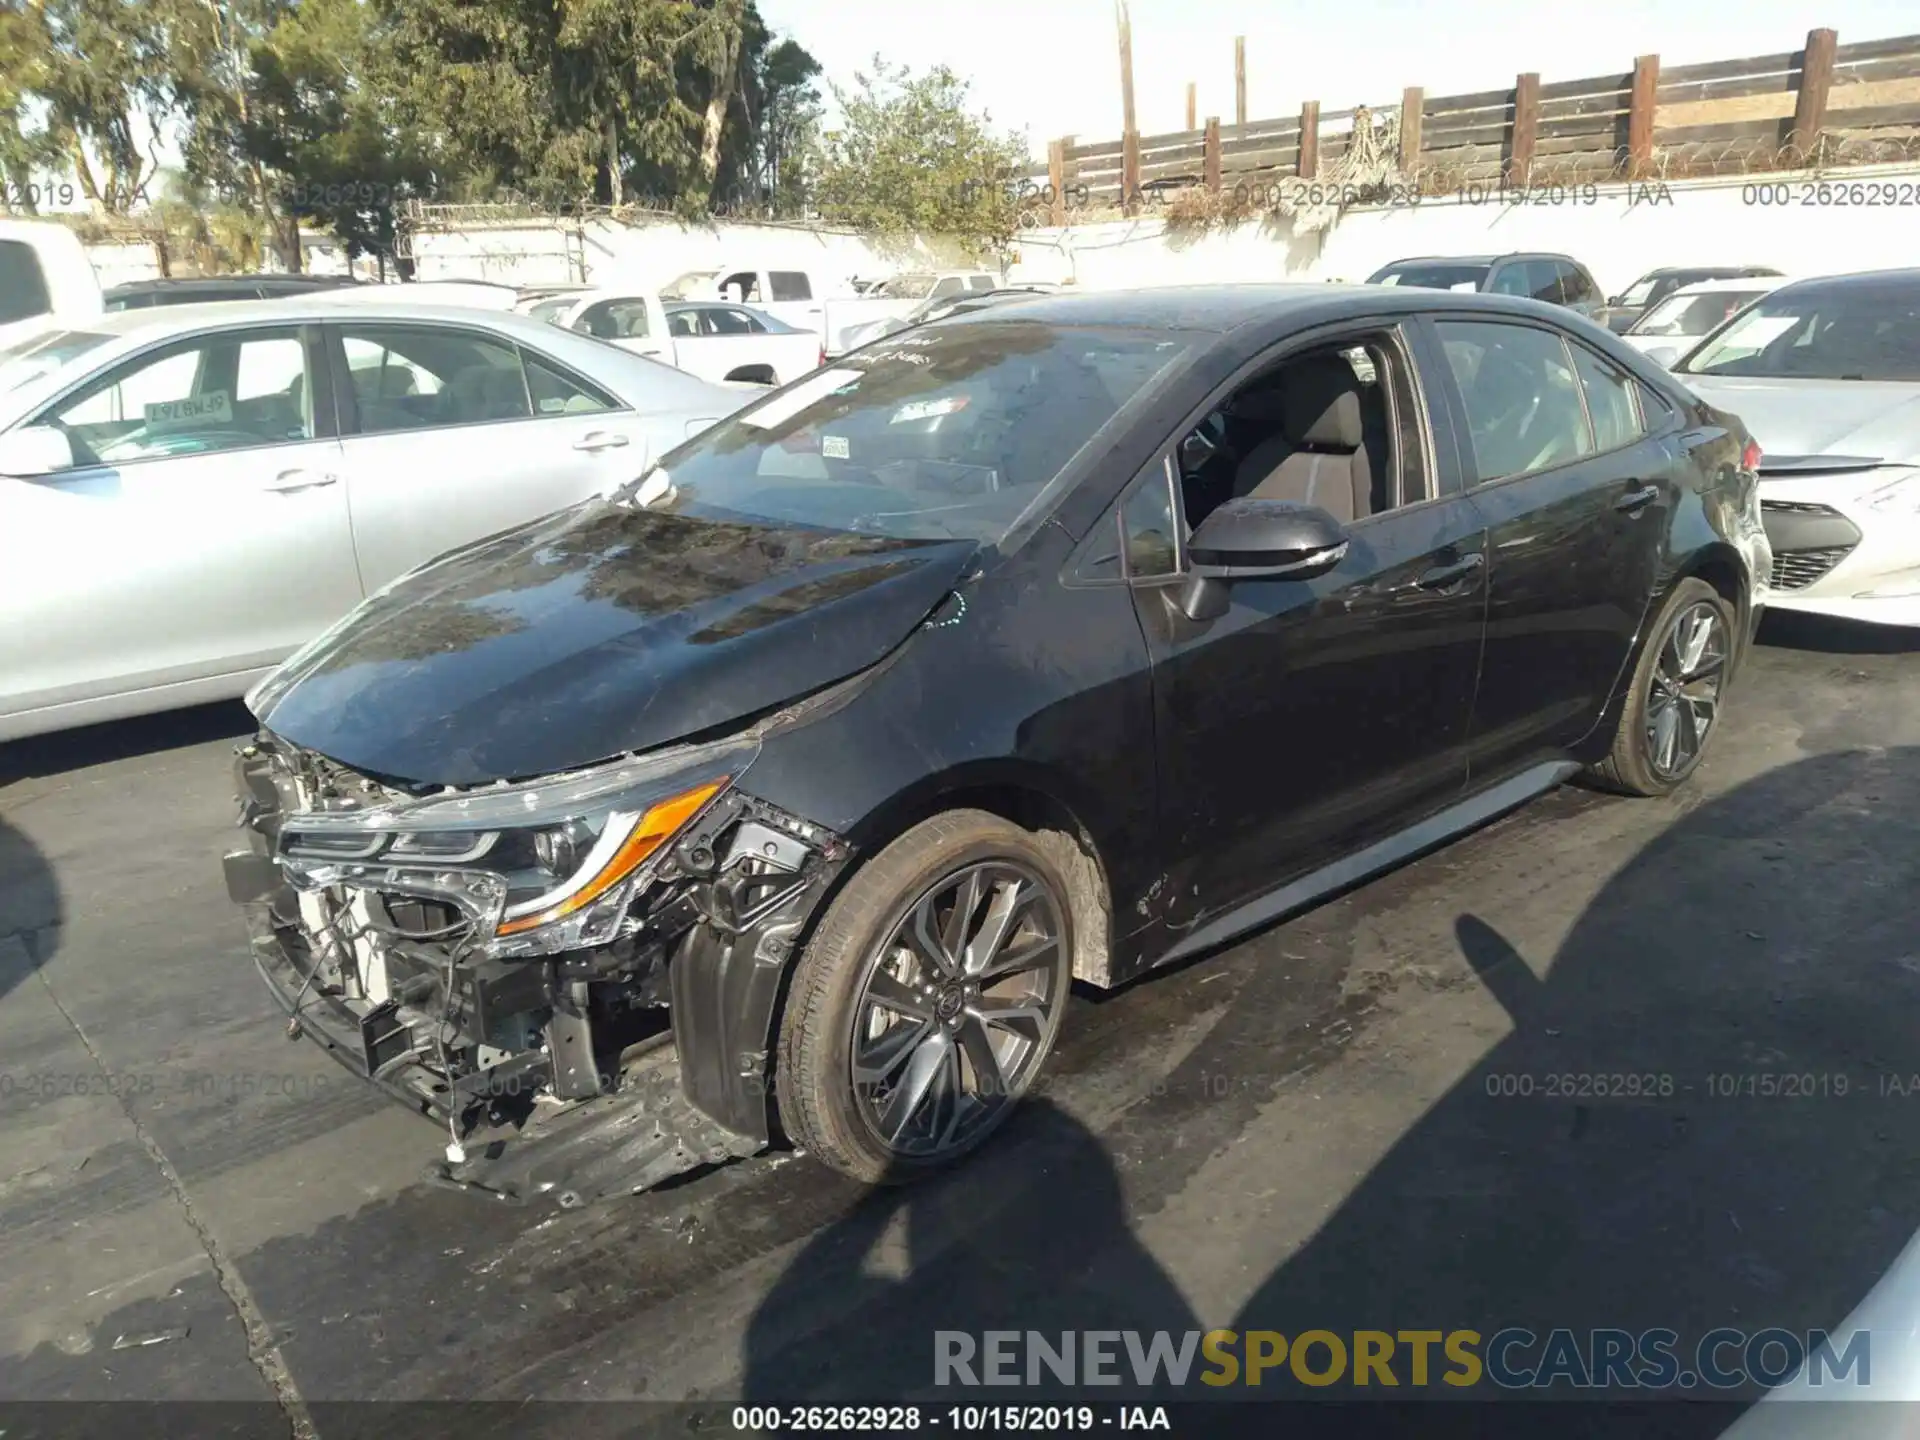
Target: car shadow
[1688,1125]
[1028,1235]
[1790,630]
[31,908]
[62,751]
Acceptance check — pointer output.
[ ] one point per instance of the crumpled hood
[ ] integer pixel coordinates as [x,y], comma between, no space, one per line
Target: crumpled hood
[597,631]
[1871,419]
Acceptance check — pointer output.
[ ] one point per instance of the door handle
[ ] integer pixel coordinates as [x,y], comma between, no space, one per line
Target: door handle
[1445,577]
[600,440]
[288,481]
[1634,501]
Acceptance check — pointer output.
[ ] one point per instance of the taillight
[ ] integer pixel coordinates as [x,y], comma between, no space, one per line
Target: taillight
[823,355]
[1750,457]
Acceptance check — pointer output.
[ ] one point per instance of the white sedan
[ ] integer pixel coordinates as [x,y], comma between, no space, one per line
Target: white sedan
[188,494]
[1684,318]
[709,338]
[1826,374]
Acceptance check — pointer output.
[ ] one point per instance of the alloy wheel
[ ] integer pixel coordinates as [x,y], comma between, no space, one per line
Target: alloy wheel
[1683,696]
[957,1008]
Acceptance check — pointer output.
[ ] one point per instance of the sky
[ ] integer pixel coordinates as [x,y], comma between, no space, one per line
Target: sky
[1052,66]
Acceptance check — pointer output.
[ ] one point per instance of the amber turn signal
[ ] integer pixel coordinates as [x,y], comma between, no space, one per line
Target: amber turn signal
[653,829]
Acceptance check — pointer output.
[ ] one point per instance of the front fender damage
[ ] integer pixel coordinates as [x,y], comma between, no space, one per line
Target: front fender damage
[751,879]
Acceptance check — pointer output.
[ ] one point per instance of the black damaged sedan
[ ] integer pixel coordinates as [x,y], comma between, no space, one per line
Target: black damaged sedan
[780,796]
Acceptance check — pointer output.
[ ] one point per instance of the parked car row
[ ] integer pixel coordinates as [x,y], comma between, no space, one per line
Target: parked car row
[187,494]
[600,701]
[1646,309]
[706,338]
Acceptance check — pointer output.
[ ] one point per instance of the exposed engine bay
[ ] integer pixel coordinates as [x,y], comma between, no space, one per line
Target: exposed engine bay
[575,975]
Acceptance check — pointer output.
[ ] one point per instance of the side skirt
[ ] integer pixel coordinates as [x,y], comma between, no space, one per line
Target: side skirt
[1385,854]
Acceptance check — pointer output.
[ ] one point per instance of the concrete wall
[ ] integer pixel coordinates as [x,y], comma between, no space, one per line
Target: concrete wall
[1621,235]
[651,252]
[1619,232]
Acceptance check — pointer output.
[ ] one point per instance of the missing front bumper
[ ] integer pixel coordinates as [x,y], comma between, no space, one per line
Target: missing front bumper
[505,1053]
[641,1133]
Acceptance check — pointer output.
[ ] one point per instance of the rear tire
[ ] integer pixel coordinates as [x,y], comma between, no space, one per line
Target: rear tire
[1672,707]
[910,1033]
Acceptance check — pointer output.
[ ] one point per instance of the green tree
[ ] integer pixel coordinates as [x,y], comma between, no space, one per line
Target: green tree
[340,155]
[909,156]
[101,73]
[786,126]
[26,149]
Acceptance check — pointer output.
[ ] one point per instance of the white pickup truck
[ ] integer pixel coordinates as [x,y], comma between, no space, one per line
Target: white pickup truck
[704,337]
[830,307]
[45,279]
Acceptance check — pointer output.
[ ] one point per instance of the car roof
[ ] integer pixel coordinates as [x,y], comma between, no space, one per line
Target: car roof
[1220,308]
[1746,282]
[1723,271]
[163,320]
[1903,282]
[161,285]
[1477,259]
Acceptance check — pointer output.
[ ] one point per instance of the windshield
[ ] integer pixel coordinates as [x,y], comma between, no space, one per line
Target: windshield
[904,287]
[41,353]
[1832,332]
[1641,290]
[1434,276]
[947,434]
[1687,315]
[551,310]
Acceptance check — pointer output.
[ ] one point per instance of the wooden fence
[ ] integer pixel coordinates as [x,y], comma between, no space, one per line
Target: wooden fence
[1824,105]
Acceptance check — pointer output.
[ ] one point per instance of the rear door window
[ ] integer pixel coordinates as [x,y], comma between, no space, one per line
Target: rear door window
[1543,281]
[788,285]
[1522,398]
[415,378]
[1512,278]
[1576,286]
[1609,395]
[614,320]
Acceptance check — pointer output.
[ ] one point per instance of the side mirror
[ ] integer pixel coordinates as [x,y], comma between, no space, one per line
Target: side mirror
[1257,540]
[35,450]
[1615,300]
[1663,356]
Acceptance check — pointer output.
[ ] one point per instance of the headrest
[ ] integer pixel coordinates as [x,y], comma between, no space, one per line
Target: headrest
[1320,403]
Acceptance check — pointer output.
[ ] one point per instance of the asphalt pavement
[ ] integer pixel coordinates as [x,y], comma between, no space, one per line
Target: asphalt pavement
[1393,1111]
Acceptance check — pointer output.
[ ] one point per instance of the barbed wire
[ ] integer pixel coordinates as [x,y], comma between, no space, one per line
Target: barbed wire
[1365,175]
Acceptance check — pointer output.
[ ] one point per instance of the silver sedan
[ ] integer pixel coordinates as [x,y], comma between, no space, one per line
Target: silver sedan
[189,494]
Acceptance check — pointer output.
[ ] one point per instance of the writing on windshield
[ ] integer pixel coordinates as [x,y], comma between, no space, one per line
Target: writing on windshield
[1850,332]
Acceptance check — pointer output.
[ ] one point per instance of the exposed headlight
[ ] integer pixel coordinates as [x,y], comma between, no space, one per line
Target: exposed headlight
[1900,496]
[538,867]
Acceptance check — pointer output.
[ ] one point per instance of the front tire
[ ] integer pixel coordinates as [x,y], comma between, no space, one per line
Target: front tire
[1672,708]
[927,1000]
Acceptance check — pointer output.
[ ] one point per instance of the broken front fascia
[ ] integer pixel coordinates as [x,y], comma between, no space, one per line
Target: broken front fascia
[538,868]
[565,899]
